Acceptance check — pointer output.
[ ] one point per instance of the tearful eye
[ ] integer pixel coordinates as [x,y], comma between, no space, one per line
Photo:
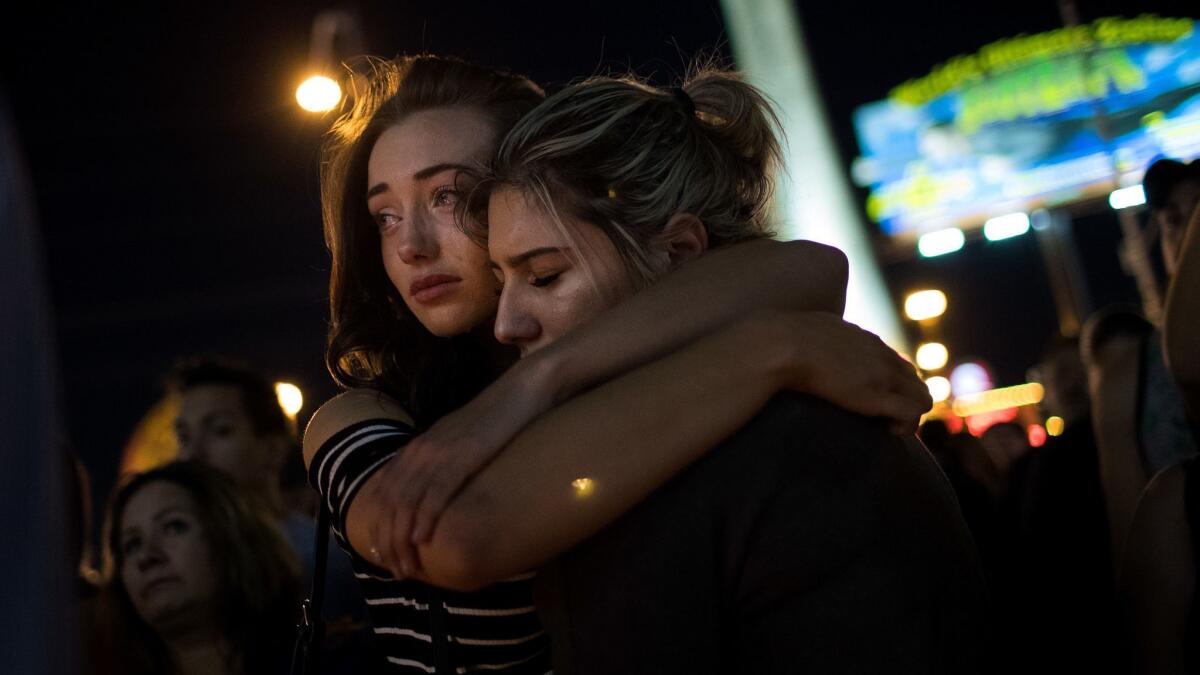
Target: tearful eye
[386,221]
[445,196]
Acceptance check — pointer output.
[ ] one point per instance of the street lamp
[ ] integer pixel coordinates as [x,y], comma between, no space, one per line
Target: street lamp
[319,94]
[333,33]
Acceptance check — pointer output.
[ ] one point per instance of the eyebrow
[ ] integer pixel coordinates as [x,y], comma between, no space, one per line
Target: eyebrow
[126,531]
[423,174]
[533,253]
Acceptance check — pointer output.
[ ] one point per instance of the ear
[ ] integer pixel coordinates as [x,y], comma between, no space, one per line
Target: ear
[683,238]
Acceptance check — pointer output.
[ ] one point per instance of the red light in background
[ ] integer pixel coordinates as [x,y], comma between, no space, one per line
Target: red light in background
[977,424]
[1037,435]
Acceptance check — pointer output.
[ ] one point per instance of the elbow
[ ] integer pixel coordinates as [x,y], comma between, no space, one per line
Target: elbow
[834,270]
[461,556]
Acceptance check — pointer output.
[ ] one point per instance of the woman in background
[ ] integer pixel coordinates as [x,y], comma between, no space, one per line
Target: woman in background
[201,582]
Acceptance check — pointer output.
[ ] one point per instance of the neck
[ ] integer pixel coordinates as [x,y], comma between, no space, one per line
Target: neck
[199,652]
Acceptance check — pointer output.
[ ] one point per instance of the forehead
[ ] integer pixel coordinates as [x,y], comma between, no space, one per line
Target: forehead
[441,135]
[516,225]
[205,399]
[155,497]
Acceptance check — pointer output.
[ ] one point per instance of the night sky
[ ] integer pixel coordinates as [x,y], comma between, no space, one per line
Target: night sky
[176,178]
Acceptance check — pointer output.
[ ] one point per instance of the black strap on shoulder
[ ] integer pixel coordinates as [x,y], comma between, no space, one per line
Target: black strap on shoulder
[310,632]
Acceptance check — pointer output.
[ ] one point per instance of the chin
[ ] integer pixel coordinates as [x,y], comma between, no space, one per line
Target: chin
[452,321]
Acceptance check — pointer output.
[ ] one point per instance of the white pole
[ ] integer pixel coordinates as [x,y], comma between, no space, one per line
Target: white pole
[814,199]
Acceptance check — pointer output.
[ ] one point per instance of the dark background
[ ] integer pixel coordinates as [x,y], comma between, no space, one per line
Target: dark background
[176,178]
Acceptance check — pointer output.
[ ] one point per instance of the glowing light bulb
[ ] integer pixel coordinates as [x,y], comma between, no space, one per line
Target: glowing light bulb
[1055,425]
[290,398]
[318,94]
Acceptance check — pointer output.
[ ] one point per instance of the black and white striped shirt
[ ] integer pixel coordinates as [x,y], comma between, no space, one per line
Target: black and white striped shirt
[493,630]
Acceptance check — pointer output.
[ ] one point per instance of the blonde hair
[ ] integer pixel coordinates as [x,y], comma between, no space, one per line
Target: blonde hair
[626,156]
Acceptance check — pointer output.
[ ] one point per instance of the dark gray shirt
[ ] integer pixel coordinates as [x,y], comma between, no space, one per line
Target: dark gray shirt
[811,541]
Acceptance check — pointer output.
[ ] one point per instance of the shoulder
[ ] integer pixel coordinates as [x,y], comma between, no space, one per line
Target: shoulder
[798,428]
[349,408]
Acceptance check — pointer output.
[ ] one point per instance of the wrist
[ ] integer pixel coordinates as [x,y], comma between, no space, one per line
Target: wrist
[776,345]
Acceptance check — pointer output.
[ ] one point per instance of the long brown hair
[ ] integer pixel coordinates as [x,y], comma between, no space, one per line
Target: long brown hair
[374,339]
[258,573]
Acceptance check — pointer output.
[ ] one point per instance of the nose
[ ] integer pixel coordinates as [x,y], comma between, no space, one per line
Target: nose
[191,449]
[416,240]
[150,555]
[514,324]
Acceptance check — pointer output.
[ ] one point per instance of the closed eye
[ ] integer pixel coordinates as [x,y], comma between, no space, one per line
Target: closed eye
[176,526]
[543,281]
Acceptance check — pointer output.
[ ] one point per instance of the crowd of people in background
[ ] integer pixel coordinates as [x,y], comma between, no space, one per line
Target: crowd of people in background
[1076,556]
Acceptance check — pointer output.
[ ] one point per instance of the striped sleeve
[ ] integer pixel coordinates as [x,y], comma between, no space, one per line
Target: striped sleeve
[347,459]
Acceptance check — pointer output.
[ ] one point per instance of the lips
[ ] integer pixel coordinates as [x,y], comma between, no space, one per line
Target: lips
[431,287]
[159,583]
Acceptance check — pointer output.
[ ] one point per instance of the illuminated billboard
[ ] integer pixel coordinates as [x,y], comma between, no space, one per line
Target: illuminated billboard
[1032,121]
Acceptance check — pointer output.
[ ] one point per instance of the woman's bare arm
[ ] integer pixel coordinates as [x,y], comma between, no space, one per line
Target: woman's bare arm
[693,300]
[625,438]
[698,297]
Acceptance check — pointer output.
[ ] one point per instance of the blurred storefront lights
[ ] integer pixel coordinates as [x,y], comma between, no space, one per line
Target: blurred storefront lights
[1127,197]
[940,242]
[925,305]
[932,356]
[1006,227]
[939,388]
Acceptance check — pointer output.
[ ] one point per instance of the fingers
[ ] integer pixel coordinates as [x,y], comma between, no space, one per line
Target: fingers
[440,489]
[403,553]
[405,492]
